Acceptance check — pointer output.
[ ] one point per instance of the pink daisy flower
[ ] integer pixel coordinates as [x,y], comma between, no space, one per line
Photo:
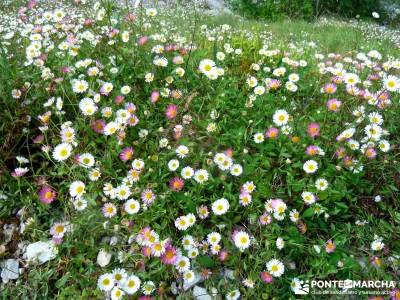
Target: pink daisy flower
[98,126]
[47,194]
[370,153]
[274,84]
[143,40]
[202,211]
[340,152]
[148,196]
[133,120]
[266,277]
[330,246]
[170,256]
[171,111]
[130,107]
[119,99]
[330,88]
[333,104]
[154,96]
[265,219]
[223,255]
[126,154]
[19,172]
[146,251]
[313,129]
[176,184]
[312,150]
[109,210]
[272,133]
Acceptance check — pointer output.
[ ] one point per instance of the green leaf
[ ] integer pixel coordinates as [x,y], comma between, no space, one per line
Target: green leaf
[206,261]
[309,212]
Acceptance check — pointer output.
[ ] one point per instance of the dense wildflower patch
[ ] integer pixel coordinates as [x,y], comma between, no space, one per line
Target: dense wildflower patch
[160,157]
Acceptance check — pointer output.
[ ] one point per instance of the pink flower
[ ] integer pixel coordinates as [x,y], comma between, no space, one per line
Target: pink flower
[223,255]
[119,99]
[312,150]
[57,240]
[130,17]
[148,196]
[143,40]
[265,219]
[154,96]
[130,107]
[395,294]
[340,152]
[126,154]
[376,261]
[202,211]
[38,139]
[170,256]
[19,172]
[276,202]
[272,133]
[330,88]
[146,251]
[98,126]
[274,84]
[31,4]
[229,152]
[370,153]
[313,130]
[330,246]
[65,70]
[171,111]
[109,210]
[176,184]
[266,277]
[47,194]
[333,104]
[133,120]
[88,22]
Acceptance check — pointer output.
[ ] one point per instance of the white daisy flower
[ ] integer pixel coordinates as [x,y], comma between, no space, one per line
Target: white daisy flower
[220,206]
[242,240]
[131,285]
[188,276]
[77,189]
[187,173]
[132,206]
[62,151]
[182,151]
[86,160]
[79,86]
[173,164]
[308,197]
[310,166]
[201,176]
[258,138]
[106,282]
[117,293]
[321,184]
[280,117]
[275,268]
[182,264]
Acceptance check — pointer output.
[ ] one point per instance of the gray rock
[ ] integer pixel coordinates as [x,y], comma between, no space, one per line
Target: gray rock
[200,293]
[188,285]
[9,269]
[8,231]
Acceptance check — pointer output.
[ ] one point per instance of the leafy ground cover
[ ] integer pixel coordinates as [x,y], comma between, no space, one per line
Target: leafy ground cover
[162,154]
